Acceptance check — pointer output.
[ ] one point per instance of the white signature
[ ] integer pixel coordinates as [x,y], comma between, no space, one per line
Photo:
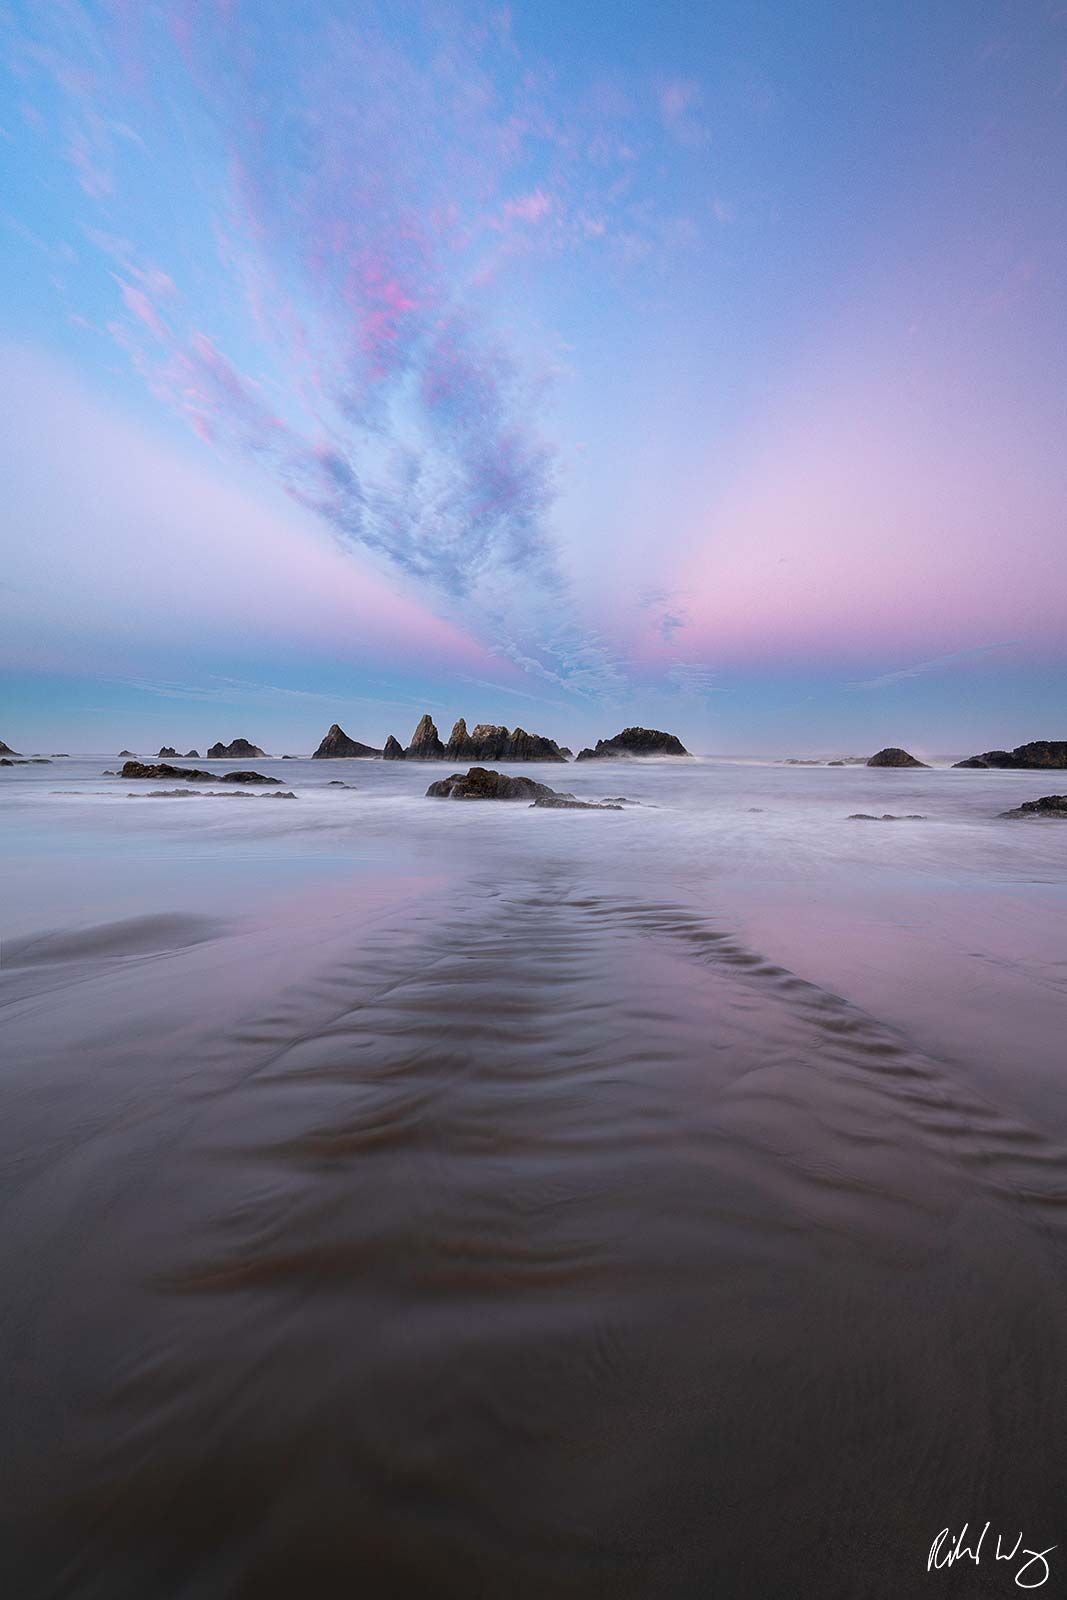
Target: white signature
[948,1548]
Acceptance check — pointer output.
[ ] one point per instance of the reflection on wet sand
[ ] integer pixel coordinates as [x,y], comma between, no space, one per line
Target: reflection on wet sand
[544,1240]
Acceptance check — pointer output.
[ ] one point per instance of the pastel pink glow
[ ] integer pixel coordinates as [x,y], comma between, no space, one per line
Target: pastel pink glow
[168,549]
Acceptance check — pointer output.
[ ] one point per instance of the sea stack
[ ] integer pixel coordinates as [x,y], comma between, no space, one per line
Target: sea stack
[893,756]
[337,745]
[6,750]
[634,742]
[425,742]
[393,751]
[237,748]
[491,741]
[168,750]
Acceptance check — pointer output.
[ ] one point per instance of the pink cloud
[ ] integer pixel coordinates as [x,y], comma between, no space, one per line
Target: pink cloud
[532,207]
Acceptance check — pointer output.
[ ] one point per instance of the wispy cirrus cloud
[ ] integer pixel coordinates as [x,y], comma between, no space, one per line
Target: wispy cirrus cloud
[919,669]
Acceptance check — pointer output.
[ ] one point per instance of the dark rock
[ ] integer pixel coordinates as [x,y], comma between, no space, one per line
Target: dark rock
[565,750]
[40,761]
[5,762]
[6,750]
[140,769]
[125,752]
[237,749]
[635,742]
[190,755]
[794,761]
[394,750]
[206,794]
[893,756]
[835,763]
[290,758]
[1050,805]
[425,742]
[168,750]
[339,783]
[1041,755]
[567,802]
[61,755]
[109,772]
[480,784]
[337,745]
[619,800]
[887,816]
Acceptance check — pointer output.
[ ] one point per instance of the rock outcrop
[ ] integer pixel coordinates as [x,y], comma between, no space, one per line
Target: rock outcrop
[393,751]
[481,784]
[1050,805]
[425,742]
[893,756]
[168,750]
[336,745]
[191,755]
[237,749]
[6,750]
[1041,755]
[126,753]
[634,742]
[141,769]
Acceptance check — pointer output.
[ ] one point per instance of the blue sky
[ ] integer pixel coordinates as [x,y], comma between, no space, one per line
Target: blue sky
[562,365]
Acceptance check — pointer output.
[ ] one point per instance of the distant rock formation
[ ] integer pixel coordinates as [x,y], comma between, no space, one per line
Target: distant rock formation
[6,750]
[190,755]
[337,745]
[1042,755]
[893,756]
[140,769]
[126,752]
[168,750]
[394,750]
[492,741]
[425,742]
[237,748]
[480,784]
[1050,805]
[634,742]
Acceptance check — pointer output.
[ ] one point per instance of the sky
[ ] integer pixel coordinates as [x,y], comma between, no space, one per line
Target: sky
[699,365]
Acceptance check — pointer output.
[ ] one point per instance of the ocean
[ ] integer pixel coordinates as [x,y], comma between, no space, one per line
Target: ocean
[412,1197]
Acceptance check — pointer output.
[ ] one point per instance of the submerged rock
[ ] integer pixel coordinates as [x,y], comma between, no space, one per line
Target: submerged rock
[425,742]
[393,751]
[339,783]
[893,756]
[635,742]
[481,784]
[1041,755]
[337,745]
[567,802]
[1050,805]
[887,816]
[236,749]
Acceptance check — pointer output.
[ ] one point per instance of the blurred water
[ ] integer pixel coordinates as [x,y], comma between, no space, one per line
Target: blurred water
[463,1199]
